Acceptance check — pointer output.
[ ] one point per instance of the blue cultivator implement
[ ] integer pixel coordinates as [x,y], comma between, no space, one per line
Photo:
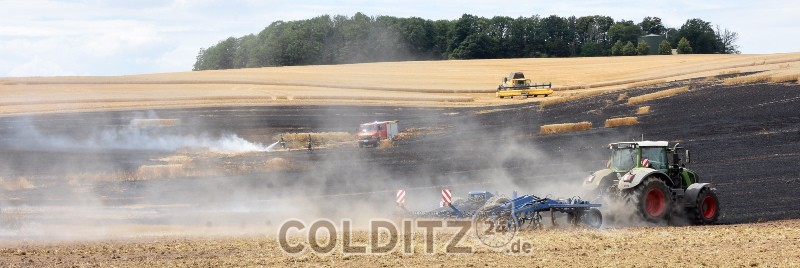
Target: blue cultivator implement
[527,210]
[463,208]
[515,213]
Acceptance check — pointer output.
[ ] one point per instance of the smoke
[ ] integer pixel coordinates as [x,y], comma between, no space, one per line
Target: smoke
[150,133]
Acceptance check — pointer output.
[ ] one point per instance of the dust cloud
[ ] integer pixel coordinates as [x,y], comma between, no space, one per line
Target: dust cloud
[246,186]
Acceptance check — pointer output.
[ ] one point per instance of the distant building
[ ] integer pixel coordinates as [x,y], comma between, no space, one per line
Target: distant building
[652,40]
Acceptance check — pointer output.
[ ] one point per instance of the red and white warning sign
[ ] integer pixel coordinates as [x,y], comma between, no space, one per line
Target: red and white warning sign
[645,163]
[446,197]
[401,197]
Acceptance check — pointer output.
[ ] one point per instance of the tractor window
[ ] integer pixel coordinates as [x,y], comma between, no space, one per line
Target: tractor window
[657,157]
[623,159]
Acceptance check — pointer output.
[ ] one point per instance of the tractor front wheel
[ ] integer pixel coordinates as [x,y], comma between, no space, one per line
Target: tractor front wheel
[706,210]
[652,199]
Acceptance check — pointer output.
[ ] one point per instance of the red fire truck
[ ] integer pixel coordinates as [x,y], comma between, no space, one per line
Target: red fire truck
[371,134]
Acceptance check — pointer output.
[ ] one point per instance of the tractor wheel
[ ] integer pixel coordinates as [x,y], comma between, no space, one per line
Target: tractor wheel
[706,210]
[652,199]
[592,218]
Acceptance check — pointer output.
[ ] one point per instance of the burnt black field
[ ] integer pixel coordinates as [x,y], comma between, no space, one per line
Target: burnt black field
[745,139]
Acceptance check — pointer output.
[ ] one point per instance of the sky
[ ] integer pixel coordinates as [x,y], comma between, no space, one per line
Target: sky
[125,37]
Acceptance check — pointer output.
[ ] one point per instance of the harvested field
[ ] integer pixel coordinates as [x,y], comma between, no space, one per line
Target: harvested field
[729,72]
[565,127]
[160,171]
[430,83]
[572,97]
[227,207]
[386,144]
[416,133]
[14,184]
[154,122]
[657,95]
[647,83]
[300,140]
[279,164]
[773,244]
[621,121]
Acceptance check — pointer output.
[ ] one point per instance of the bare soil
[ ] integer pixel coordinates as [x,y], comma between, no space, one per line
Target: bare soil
[773,244]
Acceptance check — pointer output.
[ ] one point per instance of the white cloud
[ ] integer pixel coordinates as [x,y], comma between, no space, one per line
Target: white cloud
[125,36]
[39,67]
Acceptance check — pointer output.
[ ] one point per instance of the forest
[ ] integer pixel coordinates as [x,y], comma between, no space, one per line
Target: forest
[361,38]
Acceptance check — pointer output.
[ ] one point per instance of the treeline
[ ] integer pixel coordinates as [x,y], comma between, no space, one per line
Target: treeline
[361,38]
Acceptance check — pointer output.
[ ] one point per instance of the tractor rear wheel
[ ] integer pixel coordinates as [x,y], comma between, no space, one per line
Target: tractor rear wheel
[652,199]
[706,210]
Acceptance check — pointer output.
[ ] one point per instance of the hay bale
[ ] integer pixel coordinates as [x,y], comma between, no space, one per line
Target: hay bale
[747,79]
[621,121]
[565,127]
[657,95]
[643,110]
[784,78]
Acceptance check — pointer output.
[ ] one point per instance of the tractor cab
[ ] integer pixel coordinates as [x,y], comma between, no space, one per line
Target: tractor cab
[626,156]
[658,155]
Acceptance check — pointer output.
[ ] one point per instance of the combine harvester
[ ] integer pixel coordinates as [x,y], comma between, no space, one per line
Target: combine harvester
[483,206]
[516,85]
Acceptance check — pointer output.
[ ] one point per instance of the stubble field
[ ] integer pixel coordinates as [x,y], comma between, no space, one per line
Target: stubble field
[99,187]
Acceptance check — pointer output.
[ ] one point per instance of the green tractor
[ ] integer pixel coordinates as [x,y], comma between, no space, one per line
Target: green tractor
[643,175]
